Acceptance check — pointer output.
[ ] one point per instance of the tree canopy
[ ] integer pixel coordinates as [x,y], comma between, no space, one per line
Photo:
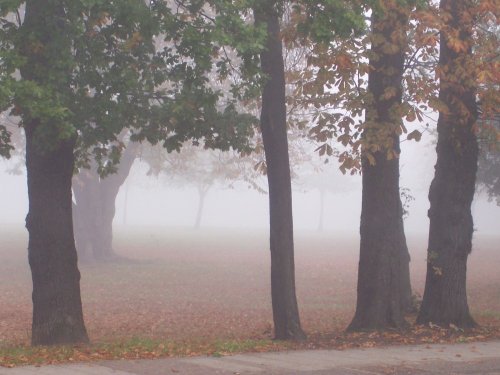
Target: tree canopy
[127,64]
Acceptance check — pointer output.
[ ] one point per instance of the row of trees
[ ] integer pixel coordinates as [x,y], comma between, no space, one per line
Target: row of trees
[85,75]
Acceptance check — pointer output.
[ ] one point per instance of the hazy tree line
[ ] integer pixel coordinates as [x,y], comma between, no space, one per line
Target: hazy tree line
[91,80]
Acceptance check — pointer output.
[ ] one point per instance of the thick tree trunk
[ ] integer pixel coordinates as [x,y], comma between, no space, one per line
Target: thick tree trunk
[452,190]
[95,208]
[383,242]
[274,134]
[380,288]
[57,306]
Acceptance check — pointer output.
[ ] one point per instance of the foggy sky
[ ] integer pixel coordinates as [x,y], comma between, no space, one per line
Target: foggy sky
[152,203]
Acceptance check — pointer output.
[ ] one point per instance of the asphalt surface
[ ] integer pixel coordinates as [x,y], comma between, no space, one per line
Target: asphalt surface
[471,358]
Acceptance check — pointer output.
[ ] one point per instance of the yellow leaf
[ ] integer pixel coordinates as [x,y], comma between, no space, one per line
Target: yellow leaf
[370,158]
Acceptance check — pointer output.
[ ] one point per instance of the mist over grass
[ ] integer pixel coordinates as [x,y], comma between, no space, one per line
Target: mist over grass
[182,284]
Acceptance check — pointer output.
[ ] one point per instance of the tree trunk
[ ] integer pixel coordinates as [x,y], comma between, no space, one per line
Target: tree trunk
[322,194]
[86,208]
[407,303]
[125,205]
[82,235]
[102,241]
[274,134]
[452,190]
[57,306]
[95,207]
[202,194]
[383,243]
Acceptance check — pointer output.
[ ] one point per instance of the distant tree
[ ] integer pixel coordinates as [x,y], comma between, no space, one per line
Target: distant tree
[203,169]
[94,207]
[325,178]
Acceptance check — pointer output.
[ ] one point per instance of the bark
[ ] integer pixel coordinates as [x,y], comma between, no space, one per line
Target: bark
[407,303]
[452,189]
[57,306]
[95,208]
[383,244]
[274,134]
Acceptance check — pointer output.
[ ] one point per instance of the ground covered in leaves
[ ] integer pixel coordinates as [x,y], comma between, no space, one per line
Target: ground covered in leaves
[186,292]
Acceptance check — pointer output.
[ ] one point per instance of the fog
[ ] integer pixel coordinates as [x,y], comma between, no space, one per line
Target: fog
[149,201]
[214,284]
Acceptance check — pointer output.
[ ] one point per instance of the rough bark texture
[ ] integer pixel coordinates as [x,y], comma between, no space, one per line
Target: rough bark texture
[274,134]
[452,190]
[383,250]
[94,210]
[57,306]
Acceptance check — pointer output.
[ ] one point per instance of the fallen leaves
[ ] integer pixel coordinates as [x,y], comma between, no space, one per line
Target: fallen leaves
[415,335]
[131,349]
[209,294]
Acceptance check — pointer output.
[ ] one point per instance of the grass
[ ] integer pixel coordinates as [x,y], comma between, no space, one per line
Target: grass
[134,348]
[147,348]
[208,292]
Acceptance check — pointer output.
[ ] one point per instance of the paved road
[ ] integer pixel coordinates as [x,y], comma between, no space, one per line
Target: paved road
[476,358]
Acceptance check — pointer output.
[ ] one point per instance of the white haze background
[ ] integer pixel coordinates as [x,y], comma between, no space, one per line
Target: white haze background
[150,202]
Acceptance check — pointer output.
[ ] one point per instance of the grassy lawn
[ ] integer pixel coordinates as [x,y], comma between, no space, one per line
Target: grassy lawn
[207,292]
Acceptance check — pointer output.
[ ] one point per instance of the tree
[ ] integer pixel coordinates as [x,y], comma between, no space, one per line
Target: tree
[274,135]
[383,276]
[57,308]
[320,20]
[94,207]
[339,98]
[89,70]
[325,178]
[452,189]
[202,168]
